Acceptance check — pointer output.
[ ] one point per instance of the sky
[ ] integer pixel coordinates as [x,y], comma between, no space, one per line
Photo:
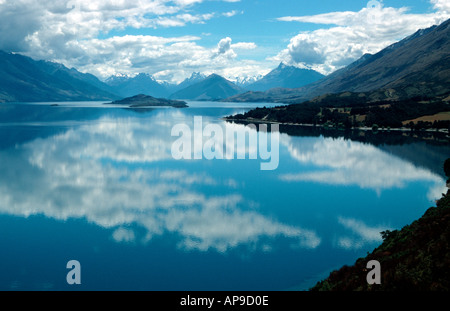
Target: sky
[234,38]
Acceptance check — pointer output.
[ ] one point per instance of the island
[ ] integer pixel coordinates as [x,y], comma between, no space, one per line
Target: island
[146,101]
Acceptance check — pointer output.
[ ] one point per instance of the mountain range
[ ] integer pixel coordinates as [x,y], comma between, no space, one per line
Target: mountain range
[285,77]
[196,77]
[23,79]
[415,66]
[213,87]
[141,84]
[419,65]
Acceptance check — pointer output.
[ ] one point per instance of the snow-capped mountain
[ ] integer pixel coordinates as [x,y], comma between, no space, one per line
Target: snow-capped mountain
[196,77]
[245,81]
[143,83]
[214,87]
[285,76]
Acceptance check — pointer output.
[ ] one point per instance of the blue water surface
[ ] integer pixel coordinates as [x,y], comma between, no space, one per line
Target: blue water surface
[99,184]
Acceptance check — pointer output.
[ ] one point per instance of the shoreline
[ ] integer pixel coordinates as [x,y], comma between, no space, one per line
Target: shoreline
[401,129]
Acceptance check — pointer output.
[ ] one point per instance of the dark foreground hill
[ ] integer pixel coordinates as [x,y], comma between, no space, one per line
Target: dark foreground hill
[415,258]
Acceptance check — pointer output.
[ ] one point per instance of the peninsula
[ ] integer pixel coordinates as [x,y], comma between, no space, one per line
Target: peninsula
[358,110]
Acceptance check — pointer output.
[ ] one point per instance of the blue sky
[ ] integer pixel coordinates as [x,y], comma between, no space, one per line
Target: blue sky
[234,38]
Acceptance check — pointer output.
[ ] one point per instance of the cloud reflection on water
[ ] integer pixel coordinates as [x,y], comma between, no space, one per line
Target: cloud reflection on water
[344,162]
[360,233]
[118,173]
[112,173]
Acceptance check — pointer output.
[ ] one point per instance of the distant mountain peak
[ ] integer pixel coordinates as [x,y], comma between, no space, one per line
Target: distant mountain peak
[145,76]
[247,80]
[121,75]
[197,76]
[285,76]
[117,77]
[194,78]
[213,87]
[417,66]
[145,83]
[215,76]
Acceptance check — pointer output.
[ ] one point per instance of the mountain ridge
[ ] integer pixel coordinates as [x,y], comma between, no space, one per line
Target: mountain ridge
[214,87]
[417,65]
[23,79]
[140,84]
[285,76]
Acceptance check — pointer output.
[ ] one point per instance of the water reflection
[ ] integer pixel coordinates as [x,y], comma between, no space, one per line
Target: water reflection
[359,235]
[118,173]
[243,228]
[342,162]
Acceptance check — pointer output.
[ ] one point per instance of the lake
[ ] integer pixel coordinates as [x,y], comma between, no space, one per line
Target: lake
[99,184]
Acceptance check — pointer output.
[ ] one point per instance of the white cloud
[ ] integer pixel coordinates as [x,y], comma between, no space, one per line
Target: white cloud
[244,46]
[172,59]
[354,34]
[52,25]
[178,20]
[17,20]
[224,47]
[232,13]
[441,5]
[73,33]
[303,49]
[243,69]
[337,18]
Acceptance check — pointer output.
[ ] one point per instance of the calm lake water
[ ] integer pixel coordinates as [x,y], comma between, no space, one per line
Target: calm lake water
[98,184]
